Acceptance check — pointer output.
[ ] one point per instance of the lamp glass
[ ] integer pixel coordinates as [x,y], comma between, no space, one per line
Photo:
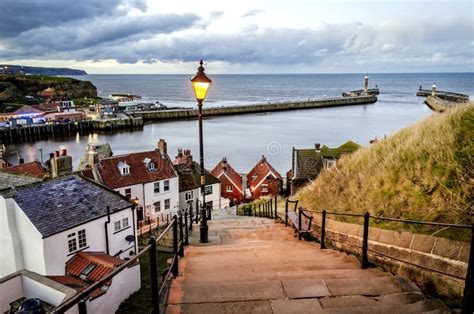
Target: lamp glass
[200,89]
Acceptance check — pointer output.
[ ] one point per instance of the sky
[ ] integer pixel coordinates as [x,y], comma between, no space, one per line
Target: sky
[259,36]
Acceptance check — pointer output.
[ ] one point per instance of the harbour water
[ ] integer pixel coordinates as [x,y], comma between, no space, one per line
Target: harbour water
[244,138]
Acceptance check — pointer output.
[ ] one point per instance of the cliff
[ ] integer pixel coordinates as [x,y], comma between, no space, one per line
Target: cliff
[16,69]
[15,88]
[423,172]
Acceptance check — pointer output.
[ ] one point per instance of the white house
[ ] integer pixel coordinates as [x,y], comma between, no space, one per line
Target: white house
[148,177]
[189,173]
[45,226]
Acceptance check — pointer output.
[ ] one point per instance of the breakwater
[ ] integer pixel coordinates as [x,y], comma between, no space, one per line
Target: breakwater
[449,96]
[184,114]
[40,132]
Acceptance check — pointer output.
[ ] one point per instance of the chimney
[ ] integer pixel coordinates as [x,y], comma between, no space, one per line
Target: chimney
[263,159]
[187,155]
[56,153]
[92,157]
[224,164]
[317,146]
[162,146]
[60,165]
[21,161]
[64,152]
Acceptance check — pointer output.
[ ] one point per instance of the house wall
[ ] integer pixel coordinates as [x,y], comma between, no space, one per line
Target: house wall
[147,197]
[235,196]
[215,197]
[123,285]
[10,290]
[56,251]
[21,242]
[274,187]
[35,289]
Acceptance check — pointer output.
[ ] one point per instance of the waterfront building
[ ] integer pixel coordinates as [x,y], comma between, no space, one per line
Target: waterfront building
[189,173]
[19,115]
[231,181]
[70,230]
[147,177]
[309,162]
[263,180]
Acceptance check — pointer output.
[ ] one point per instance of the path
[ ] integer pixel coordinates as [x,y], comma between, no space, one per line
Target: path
[254,265]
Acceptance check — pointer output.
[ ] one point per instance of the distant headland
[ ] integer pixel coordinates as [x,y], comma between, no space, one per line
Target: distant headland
[18,69]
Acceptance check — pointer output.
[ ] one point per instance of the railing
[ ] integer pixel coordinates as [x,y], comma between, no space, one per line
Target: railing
[266,209]
[468,295]
[180,231]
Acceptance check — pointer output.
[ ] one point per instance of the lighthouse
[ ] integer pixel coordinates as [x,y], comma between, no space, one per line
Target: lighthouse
[366,84]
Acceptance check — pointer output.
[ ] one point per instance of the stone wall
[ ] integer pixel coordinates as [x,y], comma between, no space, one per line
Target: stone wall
[407,249]
[233,110]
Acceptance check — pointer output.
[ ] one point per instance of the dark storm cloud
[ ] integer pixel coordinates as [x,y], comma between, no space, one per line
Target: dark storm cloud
[18,16]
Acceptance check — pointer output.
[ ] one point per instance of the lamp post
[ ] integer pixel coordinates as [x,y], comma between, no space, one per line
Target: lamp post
[201,84]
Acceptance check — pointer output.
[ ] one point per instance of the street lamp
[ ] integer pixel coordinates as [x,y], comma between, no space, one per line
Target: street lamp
[201,84]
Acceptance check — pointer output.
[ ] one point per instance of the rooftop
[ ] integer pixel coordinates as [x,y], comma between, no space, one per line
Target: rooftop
[10,180]
[31,168]
[190,176]
[58,205]
[223,168]
[261,171]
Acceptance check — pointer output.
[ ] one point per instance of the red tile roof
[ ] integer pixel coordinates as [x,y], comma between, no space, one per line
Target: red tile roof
[261,170]
[31,168]
[110,174]
[76,284]
[104,265]
[233,176]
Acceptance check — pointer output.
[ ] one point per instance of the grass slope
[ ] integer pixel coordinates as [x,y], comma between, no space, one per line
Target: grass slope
[423,172]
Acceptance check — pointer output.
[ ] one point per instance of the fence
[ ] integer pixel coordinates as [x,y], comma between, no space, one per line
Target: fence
[180,228]
[266,209]
[468,295]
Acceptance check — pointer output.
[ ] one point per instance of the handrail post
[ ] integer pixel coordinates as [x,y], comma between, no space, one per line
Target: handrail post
[300,216]
[259,208]
[174,268]
[186,235]
[286,213]
[365,241]
[82,306]
[155,300]
[276,213]
[191,216]
[271,208]
[323,230]
[181,236]
[255,210]
[468,295]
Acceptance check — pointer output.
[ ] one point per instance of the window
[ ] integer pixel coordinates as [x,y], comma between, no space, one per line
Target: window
[124,168]
[189,195]
[264,188]
[82,238]
[156,187]
[166,186]
[157,206]
[128,193]
[167,204]
[208,190]
[229,188]
[71,242]
[117,226]
[87,271]
[76,243]
[254,177]
[124,222]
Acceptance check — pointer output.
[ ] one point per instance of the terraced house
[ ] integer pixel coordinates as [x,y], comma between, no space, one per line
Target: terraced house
[307,163]
[146,177]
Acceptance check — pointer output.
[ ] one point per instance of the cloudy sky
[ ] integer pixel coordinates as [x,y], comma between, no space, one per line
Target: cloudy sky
[259,36]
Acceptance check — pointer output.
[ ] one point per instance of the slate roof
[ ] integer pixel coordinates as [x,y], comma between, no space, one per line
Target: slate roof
[218,171]
[261,170]
[309,162]
[31,168]
[61,204]
[108,169]
[190,176]
[10,180]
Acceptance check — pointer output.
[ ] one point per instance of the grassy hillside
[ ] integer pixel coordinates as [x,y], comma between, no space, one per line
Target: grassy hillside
[423,172]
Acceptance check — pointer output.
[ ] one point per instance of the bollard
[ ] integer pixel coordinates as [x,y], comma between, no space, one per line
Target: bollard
[365,241]
[155,301]
[181,236]
[174,268]
[323,230]
[468,296]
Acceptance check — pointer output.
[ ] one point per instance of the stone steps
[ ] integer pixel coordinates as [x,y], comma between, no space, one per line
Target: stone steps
[257,266]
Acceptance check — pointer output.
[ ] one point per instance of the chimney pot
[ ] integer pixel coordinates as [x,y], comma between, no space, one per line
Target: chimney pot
[51,155]
[21,161]
[163,146]
[317,146]
[56,153]
[64,153]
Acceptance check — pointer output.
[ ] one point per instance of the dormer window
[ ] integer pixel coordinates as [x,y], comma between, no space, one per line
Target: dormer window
[149,164]
[124,168]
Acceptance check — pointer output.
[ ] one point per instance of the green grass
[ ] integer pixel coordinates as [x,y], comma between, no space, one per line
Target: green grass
[423,172]
[37,77]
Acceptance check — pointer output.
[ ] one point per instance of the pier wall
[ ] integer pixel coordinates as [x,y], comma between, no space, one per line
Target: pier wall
[40,132]
[258,108]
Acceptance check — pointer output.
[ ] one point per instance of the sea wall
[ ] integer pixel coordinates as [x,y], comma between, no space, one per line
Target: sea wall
[234,110]
[407,250]
[436,103]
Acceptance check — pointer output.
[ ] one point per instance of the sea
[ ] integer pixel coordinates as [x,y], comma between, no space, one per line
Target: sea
[243,139]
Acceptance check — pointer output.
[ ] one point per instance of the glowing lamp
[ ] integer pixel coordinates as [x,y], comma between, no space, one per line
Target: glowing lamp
[201,84]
